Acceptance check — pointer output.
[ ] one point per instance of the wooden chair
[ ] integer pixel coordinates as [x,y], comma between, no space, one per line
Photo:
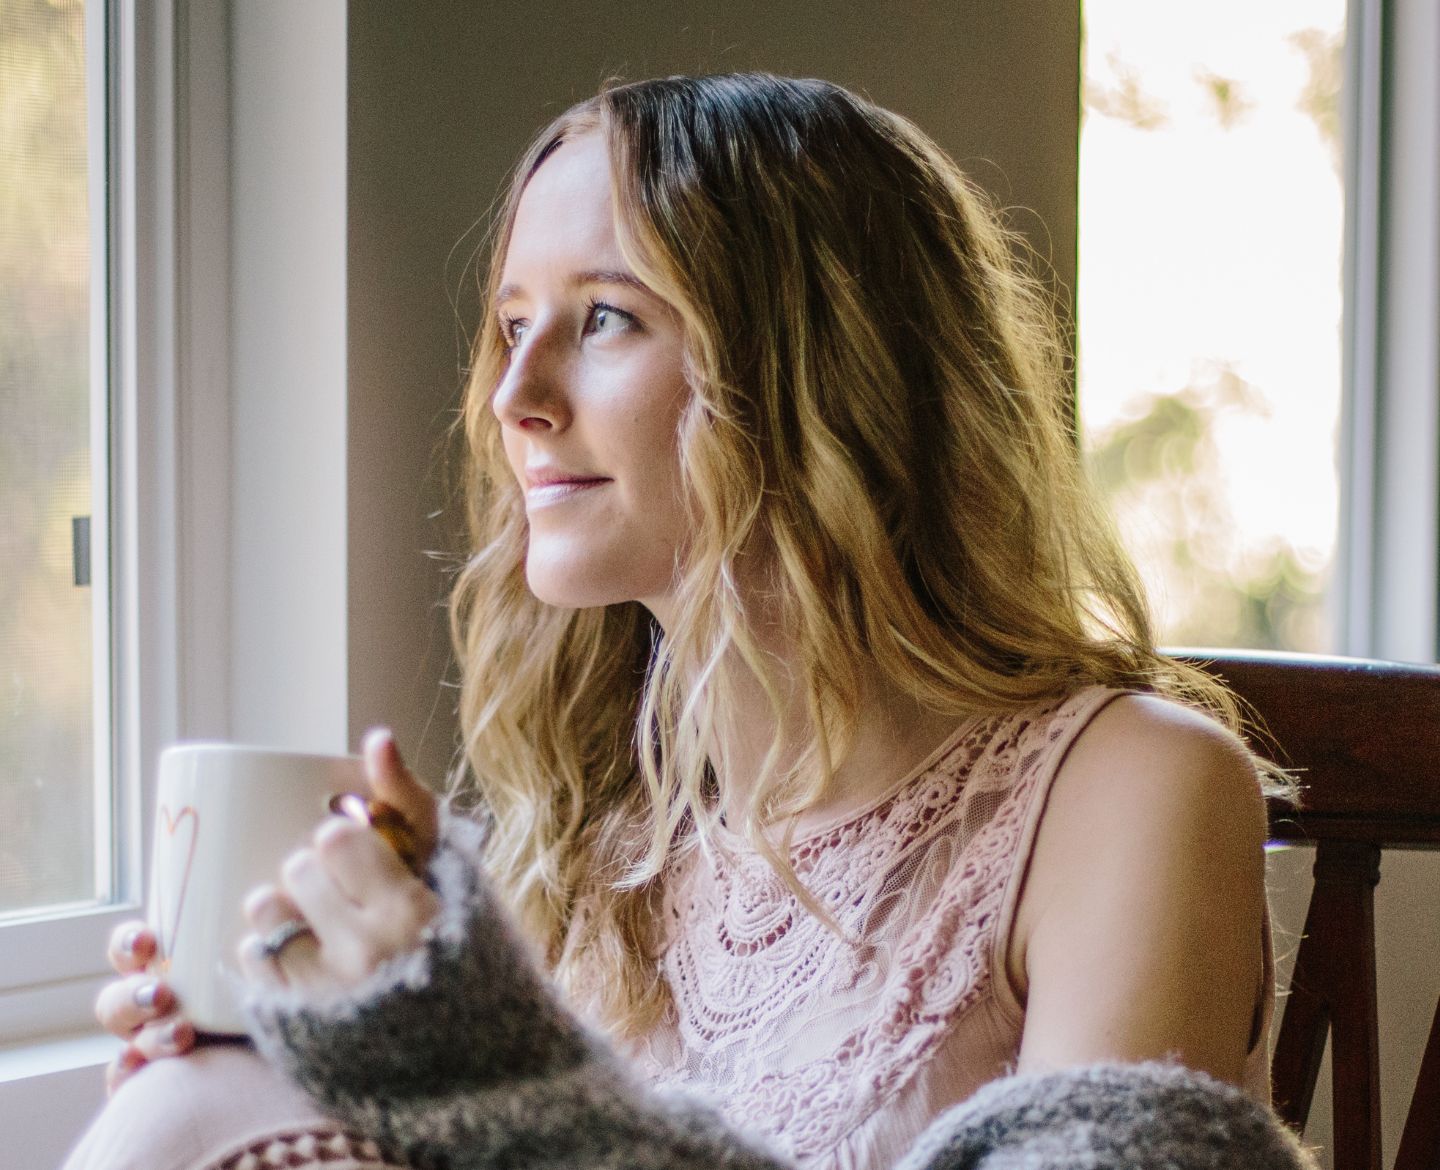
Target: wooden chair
[1364,739]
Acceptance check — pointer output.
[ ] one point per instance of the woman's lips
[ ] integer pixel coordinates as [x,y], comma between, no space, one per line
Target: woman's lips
[557,491]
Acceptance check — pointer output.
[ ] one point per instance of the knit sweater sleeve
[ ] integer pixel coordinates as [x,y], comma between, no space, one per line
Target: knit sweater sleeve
[459,1054]
[1109,1117]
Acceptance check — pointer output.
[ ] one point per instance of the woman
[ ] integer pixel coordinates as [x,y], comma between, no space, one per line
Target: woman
[826,760]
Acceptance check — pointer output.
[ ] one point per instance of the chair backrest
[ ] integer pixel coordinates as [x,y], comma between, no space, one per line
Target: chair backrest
[1364,740]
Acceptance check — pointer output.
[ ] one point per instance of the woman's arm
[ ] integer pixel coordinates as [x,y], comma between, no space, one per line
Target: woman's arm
[1115,1116]
[459,1053]
[1139,930]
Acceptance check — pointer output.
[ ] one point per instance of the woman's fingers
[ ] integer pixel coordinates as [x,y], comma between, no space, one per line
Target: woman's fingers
[354,890]
[394,783]
[128,1004]
[309,879]
[349,887]
[268,909]
[126,1063]
[389,906]
[173,1036]
[132,946]
[359,864]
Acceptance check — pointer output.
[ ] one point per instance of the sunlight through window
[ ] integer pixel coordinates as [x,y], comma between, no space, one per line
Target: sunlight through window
[1209,305]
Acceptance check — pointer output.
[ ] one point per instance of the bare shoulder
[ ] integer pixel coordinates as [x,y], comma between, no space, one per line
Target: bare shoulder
[1139,926]
[1151,752]
[1172,794]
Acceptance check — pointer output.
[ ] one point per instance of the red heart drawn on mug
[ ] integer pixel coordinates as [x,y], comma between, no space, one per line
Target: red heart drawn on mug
[171,826]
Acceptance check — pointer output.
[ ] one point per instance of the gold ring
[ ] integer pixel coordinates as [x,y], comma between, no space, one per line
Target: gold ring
[386,820]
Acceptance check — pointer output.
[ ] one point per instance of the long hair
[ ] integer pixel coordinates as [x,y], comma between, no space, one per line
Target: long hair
[881,419]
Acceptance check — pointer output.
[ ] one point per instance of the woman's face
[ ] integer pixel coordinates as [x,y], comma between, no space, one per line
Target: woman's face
[590,400]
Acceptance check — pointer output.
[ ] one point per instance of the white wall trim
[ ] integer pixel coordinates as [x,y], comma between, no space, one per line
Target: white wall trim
[202,366]
[288,527]
[1391,530]
[1407,494]
[1363,133]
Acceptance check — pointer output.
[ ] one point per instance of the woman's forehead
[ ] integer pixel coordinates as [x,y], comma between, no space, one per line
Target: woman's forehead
[565,213]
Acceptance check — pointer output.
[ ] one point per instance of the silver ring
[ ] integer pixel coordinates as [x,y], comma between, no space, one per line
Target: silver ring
[282,936]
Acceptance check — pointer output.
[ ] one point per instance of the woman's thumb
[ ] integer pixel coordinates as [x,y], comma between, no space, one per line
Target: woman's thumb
[394,783]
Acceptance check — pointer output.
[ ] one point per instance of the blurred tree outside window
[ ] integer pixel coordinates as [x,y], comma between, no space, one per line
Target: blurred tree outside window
[48,808]
[1209,307]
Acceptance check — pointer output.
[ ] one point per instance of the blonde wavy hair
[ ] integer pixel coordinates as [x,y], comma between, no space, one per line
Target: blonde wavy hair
[881,417]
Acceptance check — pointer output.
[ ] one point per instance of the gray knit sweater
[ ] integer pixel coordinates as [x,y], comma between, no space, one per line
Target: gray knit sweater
[459,1055]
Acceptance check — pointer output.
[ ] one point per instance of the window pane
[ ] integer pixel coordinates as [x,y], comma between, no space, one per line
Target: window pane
[1211,243]
[47,784]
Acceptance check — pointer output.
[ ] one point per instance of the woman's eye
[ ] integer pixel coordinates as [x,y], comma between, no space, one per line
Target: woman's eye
[608,319]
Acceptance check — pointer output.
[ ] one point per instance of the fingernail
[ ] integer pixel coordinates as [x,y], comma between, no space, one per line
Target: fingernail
[170,1038]
[377,738]
[121,1068]
[147,995]
[256,900]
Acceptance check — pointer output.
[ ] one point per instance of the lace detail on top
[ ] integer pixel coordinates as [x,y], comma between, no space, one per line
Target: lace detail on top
[803,1035]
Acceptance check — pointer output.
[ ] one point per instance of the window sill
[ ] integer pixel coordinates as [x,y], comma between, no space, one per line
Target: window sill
[50,1089]
[45,1058]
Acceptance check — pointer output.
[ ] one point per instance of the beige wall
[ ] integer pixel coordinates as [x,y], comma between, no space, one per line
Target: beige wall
[444,97]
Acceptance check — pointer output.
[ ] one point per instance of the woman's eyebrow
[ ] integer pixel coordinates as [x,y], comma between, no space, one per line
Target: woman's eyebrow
[602,276]
[509,292]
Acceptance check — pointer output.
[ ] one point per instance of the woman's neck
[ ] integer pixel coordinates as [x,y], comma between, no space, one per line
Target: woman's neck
[892,735]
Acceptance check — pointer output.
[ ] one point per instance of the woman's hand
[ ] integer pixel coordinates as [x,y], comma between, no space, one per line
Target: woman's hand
[360,902]
[139,1007]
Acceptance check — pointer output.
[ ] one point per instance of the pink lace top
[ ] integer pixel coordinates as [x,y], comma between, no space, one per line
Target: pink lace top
[840,1055]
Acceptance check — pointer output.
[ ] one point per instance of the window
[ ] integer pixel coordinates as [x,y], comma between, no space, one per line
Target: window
[1212,228]
[157,150]
[68,852]
[55,837]
[1259,368]
[87,371]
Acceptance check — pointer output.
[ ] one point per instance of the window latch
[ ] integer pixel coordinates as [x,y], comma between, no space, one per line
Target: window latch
[80,548]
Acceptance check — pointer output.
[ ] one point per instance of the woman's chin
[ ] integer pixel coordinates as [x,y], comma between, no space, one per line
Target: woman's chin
[566,591]
[570,576]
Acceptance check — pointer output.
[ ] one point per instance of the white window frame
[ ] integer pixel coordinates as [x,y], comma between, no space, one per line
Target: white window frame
[51,963]
[43,950]
[1390,453]
[165,155]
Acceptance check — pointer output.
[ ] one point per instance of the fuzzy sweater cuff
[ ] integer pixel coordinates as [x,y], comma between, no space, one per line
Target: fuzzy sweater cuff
[1151,1116]
[466,1008]
[460,1053]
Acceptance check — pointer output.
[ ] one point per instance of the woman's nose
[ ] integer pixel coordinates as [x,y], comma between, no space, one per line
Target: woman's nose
[531,394]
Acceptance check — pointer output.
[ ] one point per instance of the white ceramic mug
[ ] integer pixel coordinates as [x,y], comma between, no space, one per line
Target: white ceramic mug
[226,817]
